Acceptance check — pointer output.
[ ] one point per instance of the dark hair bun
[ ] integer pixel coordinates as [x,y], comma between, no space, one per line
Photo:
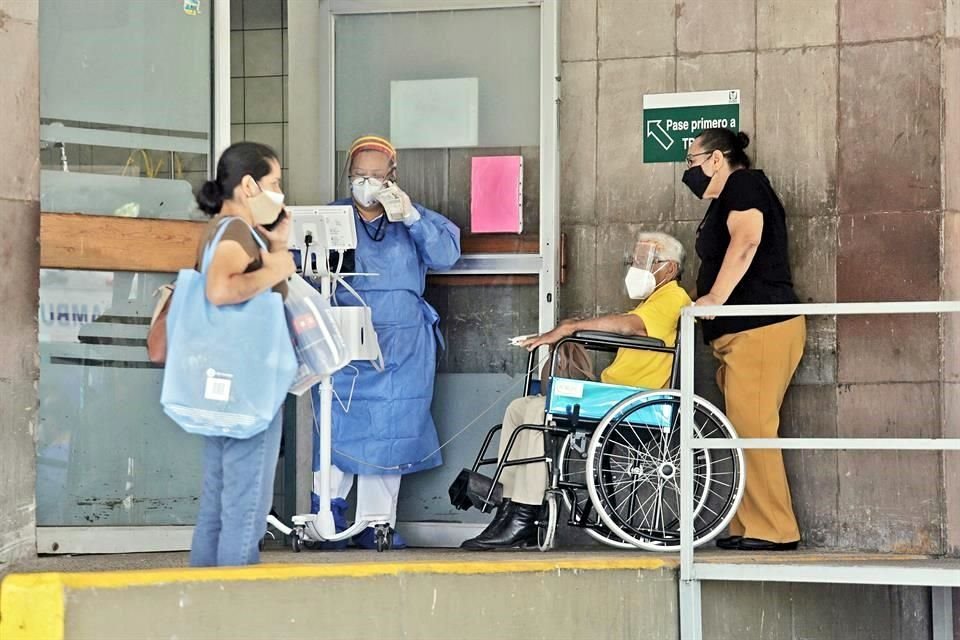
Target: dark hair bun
[743,139]
[210,198]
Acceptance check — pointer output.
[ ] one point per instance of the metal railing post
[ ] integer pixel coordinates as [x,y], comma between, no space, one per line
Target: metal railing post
[691,625]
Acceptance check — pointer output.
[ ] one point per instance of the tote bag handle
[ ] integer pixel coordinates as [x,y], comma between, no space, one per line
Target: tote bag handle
[221,229]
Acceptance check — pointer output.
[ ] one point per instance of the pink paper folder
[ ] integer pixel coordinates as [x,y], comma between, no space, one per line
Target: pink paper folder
[496,194]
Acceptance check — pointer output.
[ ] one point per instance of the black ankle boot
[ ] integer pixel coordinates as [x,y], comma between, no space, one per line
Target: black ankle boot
[499,517]
[518,529]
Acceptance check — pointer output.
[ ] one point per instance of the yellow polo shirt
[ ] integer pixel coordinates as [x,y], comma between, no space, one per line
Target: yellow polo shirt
[648,369]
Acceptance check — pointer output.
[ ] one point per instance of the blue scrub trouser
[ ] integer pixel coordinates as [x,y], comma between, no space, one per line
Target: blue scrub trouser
[236,497]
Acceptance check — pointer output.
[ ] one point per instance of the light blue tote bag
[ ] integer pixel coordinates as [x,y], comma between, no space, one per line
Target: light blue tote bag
[228,368]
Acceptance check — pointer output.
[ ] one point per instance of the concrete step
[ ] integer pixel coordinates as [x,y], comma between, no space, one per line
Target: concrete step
[426,594]
[495,595]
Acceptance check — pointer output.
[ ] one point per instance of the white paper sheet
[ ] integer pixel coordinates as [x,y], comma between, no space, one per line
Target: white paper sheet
[434,114]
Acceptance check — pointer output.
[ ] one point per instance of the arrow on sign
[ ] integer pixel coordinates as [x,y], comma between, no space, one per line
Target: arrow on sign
[651,132]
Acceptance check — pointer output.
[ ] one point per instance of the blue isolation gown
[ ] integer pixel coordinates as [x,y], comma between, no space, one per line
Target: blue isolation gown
[389,422]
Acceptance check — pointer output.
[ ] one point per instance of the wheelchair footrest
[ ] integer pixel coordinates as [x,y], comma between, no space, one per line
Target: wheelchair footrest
[471,488]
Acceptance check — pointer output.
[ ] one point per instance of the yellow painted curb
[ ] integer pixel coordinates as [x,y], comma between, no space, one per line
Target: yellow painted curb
[31,607]
[121,579]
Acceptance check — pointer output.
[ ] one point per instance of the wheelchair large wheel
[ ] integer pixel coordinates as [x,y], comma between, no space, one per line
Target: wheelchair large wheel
[633,471]
[573,470]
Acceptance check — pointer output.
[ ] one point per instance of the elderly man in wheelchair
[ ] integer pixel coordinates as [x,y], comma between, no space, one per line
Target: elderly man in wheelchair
[609,450]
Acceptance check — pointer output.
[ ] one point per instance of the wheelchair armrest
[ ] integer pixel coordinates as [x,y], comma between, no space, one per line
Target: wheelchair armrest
[620,341]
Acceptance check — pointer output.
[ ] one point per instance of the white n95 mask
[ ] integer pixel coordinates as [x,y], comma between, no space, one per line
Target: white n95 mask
[365,190]
[640,283]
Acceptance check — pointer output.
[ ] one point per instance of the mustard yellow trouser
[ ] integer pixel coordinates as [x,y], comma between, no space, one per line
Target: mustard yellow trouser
[755,370]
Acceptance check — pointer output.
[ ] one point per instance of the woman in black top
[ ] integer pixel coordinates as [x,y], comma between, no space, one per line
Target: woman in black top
[742,245]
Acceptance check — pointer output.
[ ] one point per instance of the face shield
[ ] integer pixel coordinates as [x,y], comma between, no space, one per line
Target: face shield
[641,280]
[644,255]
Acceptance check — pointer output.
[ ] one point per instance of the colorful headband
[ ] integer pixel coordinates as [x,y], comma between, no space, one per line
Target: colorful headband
[373,143]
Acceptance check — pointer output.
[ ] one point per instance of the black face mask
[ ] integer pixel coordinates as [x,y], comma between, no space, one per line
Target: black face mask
[696,180]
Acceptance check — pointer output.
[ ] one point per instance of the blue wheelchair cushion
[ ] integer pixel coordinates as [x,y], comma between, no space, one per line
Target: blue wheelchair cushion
[596,399]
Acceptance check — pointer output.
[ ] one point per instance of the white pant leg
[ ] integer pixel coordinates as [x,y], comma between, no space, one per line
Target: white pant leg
[340,482]
[377,498]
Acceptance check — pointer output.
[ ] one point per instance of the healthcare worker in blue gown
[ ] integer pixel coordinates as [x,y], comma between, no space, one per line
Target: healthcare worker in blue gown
[385,430]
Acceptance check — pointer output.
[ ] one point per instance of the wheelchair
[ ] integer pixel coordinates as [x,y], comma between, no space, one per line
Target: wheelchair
[613,458]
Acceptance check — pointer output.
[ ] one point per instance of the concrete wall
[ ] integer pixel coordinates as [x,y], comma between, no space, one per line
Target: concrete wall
[19,286]
[780,611]
[852,107]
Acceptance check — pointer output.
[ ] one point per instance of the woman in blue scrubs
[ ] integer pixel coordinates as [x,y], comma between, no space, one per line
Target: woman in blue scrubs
[386,430]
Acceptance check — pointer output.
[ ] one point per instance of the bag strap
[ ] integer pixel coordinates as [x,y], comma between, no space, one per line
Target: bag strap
[350,290]
[377,363]
[221,229]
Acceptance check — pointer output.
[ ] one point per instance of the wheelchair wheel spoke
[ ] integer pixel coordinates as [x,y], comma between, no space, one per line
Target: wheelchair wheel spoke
[666,437]
[641,440]
[704,505]
[632,495]
[659,523]
[697,433]
[658,509]
[642,505]
[631,460]
[633,499]
[672,510]
[634,448]
[617,488]
[715,481]
[661,504]
[625,483]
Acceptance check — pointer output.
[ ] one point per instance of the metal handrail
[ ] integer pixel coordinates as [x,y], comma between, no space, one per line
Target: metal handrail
[689,589]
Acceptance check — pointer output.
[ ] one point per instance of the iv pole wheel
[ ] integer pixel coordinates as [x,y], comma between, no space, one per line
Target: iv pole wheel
[384,537]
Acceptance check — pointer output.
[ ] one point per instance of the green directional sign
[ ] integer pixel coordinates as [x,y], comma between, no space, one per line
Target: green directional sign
[671,121]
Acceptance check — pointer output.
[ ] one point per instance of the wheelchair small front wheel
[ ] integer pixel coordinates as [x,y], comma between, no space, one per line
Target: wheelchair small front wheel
[547,524]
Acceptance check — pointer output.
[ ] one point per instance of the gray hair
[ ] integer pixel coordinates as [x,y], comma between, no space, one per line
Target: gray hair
[668,247]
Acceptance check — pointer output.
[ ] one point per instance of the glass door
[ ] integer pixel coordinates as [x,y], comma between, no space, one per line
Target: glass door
[127,95]
[459,88]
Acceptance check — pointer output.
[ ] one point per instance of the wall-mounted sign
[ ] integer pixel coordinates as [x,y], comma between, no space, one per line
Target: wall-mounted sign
[671,121]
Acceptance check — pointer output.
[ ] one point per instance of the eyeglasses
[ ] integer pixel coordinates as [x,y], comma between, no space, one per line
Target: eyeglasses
[373,176]
[691,156]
